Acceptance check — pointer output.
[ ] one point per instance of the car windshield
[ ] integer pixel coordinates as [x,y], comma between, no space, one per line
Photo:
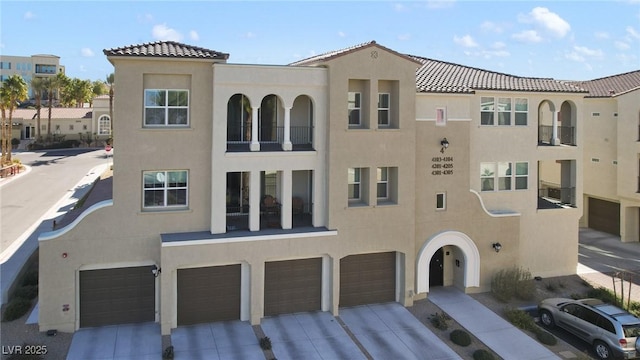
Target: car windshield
[632,330]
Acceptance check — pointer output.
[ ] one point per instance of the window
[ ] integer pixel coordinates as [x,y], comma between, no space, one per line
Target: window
[505,110]
[166,107]
[71,127]
[354,184]
[5,65]
[384,116]
[383,183]
[104,125]
[354,109]
[504,173]
[441,201]
[163,189]
[84,127]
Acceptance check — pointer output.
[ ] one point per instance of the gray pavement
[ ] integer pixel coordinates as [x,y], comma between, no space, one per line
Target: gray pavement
[216,341]
[390,331]
[118,342]
[498,334]
[313,335]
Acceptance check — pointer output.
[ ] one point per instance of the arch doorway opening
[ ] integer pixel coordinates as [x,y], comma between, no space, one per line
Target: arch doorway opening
[436,269]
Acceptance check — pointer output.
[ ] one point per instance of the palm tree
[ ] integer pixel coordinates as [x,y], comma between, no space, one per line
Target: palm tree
[38,87]
[110,81]
[52,85]
[14,90]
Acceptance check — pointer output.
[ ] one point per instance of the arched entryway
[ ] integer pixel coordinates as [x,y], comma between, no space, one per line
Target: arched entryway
[469,262]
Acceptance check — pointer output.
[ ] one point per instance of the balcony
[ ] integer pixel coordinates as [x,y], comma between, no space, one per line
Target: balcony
[566,135]
[556,198]
[270,138]
[557,184]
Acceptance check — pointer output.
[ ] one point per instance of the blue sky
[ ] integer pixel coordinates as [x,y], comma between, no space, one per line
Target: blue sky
[576,40]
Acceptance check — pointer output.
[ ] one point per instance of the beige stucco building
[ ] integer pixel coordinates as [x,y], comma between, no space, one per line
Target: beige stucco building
[612,155]
[356,176]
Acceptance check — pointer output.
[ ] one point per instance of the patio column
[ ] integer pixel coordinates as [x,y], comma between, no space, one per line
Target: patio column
[286,145]
[285,199]
[255,144]
[554,129]
[254,200]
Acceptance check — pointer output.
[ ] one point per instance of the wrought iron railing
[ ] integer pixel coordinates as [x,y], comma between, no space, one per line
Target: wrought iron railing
[545,134]
[566,134]
[299,135]
[562,195]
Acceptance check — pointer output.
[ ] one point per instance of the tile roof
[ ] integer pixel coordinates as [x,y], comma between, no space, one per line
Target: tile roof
[332,54]
[56,113]
[611,85]
[443,77]
[166,49]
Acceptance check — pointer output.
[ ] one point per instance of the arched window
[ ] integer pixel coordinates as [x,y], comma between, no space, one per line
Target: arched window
[104,125]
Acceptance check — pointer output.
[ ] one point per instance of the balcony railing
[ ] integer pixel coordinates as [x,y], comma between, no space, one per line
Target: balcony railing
[554,197]
[271,138]
[566,134]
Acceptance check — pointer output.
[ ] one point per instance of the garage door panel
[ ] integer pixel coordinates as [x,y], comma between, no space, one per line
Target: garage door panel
[367,279]
[604,216]
[292,286]
[209,294]
[117,296]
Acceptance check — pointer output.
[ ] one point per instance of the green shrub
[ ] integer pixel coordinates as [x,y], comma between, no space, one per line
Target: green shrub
[265,343]
[482,354]
[16,309]
[29,292]
[519,318]
[545,337]
[440,321]
[30,278]
[513,282]
[460,337]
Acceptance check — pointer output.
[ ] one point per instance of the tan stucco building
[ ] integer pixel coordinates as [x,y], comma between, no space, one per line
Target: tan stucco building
[612,155]
[356,176]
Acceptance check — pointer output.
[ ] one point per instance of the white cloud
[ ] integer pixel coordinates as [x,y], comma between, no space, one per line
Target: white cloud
[399,7]
[164,33]
[528,36]
[249,35]
[440,4]
[574,56]
[145,19]
[341,34]
[547,20]
[602,35]
[193,35]
[491,26]
[29,15]
[404,37]
[465,41]
[631,31]
[621,45]
[583,50]
[86,52]
[498,45]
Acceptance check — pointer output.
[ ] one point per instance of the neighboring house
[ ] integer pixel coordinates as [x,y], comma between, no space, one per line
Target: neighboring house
[612,155]
[357,176]
[29,67]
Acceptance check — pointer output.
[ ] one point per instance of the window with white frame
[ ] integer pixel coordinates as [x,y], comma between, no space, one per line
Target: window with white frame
[508,111]
[383,183]
[70,127]
[166,107]
[165,189]
[507,175]
[354,182]
[441,201]
[384,115]
[354,105]
[104,125]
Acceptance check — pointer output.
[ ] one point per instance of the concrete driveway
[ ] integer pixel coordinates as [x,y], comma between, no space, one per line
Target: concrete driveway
[390,331]
[214,341]
[117,342]
[313,335]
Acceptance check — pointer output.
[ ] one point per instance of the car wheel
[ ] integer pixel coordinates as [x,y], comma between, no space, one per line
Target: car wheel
[547,319]
[602,350]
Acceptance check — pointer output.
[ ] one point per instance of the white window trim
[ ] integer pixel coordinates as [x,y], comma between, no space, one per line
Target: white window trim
[385,182]
[359,183]
[387,109]
[101,129]
[166,109]
[513,176]
[496,111]
[165,188]
[352,106]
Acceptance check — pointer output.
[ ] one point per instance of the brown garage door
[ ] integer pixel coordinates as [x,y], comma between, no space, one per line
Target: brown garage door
[604,216]
[292,286]
[117,296]
[208,294]
[367,279]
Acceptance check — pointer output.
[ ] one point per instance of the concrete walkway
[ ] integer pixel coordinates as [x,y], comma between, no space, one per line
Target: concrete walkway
[498,334]
[216,341]
[117,342]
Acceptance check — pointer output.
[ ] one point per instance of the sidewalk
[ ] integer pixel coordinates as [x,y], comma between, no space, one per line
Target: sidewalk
[498,334]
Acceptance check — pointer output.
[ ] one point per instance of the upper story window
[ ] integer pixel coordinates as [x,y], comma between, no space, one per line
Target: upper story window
[104,125]
[508,111]
[166,107]
[45,69]
[383,183]
[384,115]
[354,182]
[5,65]
[164,189]
[507,175]
[354,104]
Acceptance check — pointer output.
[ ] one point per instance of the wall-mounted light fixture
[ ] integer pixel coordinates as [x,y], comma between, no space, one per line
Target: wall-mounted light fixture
[445,144]
[496,246]
[156,271]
